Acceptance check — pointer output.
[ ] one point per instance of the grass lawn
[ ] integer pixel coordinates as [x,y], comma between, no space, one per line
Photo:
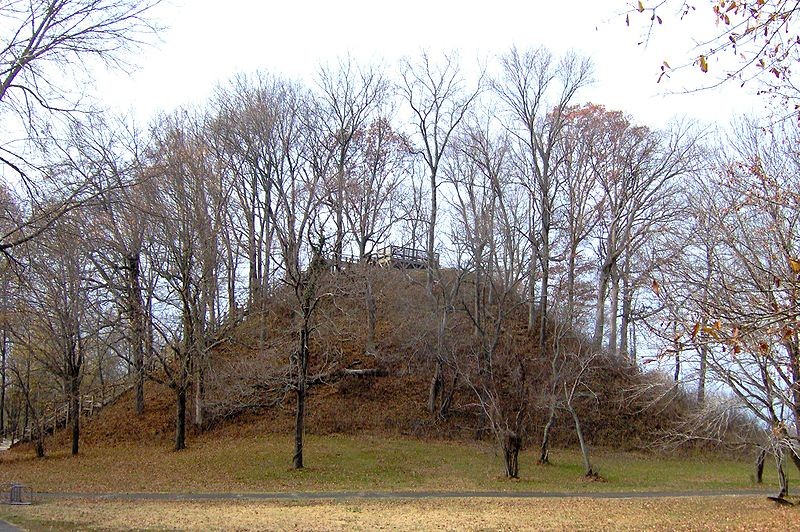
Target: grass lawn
[717,513]
[346,463]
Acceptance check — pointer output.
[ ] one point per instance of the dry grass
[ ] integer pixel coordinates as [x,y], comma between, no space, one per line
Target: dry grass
[218,463]
[718,513]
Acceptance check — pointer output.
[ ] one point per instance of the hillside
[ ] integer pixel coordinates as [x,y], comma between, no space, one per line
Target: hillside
[627,409]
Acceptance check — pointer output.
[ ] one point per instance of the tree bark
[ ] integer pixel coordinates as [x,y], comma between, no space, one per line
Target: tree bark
[136,316]
[544,451]
[4,350]
[76,417]
[613,314]
[762,454]
[587,466]
[180,419]
[299,427]
[437,383]
[371,315]
[512,444]
[199,392]
[701,381]
[300,390]
[431,243]
[600,317]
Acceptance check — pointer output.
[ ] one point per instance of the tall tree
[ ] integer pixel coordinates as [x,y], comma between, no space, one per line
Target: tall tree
[350,97]
[537,90]
[439,99]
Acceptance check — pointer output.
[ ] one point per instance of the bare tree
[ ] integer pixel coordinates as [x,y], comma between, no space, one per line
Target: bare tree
[636,170]
[488,216]
[350,98]
[537,90]
[744,285]
[439,100]
[108,156]
[47,49]
[185,258]
[60,297]
[380,158]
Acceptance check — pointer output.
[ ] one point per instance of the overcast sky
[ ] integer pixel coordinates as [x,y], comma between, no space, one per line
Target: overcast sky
[208,41]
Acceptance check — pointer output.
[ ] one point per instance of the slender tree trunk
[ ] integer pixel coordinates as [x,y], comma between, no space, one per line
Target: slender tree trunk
[545,264]
[512,444]
[300,393]
[40,439]
[762,454]
[3,351]
[437,383]
[180,418]
[299,426]
[627,309]
[782,480]
[436,387]
[600,317]
[199,390]
[371,313]
[136,315]
[544,451]
[701,381]
[587,465]
[431,243]
[532,280]
[27,402]
[76,418]
[571,265]
[340,184]
[613,314]
[477,308]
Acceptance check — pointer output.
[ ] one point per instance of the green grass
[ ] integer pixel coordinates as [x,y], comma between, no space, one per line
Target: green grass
[343,463]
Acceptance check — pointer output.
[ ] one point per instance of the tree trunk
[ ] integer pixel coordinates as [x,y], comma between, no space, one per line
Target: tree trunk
[600,317]
[587,466]
[545,264]
[782,480]
[627,309]
[571,264]
[180,419]
[40,439]
[613,313]
[371,315]
[3,350]
[431,243]
[544,452]
[511,446]
[762,454]
[76,417]
[701,381]
[477,307]
[136,317]
[299,424]
[437,384]
[199,393]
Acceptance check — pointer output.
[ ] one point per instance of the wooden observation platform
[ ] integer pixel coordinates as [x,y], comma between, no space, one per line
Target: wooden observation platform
[404,258]
[401,257]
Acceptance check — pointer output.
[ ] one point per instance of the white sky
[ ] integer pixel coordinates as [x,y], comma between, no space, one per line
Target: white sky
[210,40]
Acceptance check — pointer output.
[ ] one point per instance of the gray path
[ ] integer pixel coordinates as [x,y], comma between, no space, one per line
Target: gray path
[8,527]
[344,495]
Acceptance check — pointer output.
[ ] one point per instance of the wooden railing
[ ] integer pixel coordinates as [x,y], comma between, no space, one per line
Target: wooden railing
[395,256]
[56,415]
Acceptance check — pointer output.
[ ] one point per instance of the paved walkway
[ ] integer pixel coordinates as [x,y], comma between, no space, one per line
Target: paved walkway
[8,527]
[344,495]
